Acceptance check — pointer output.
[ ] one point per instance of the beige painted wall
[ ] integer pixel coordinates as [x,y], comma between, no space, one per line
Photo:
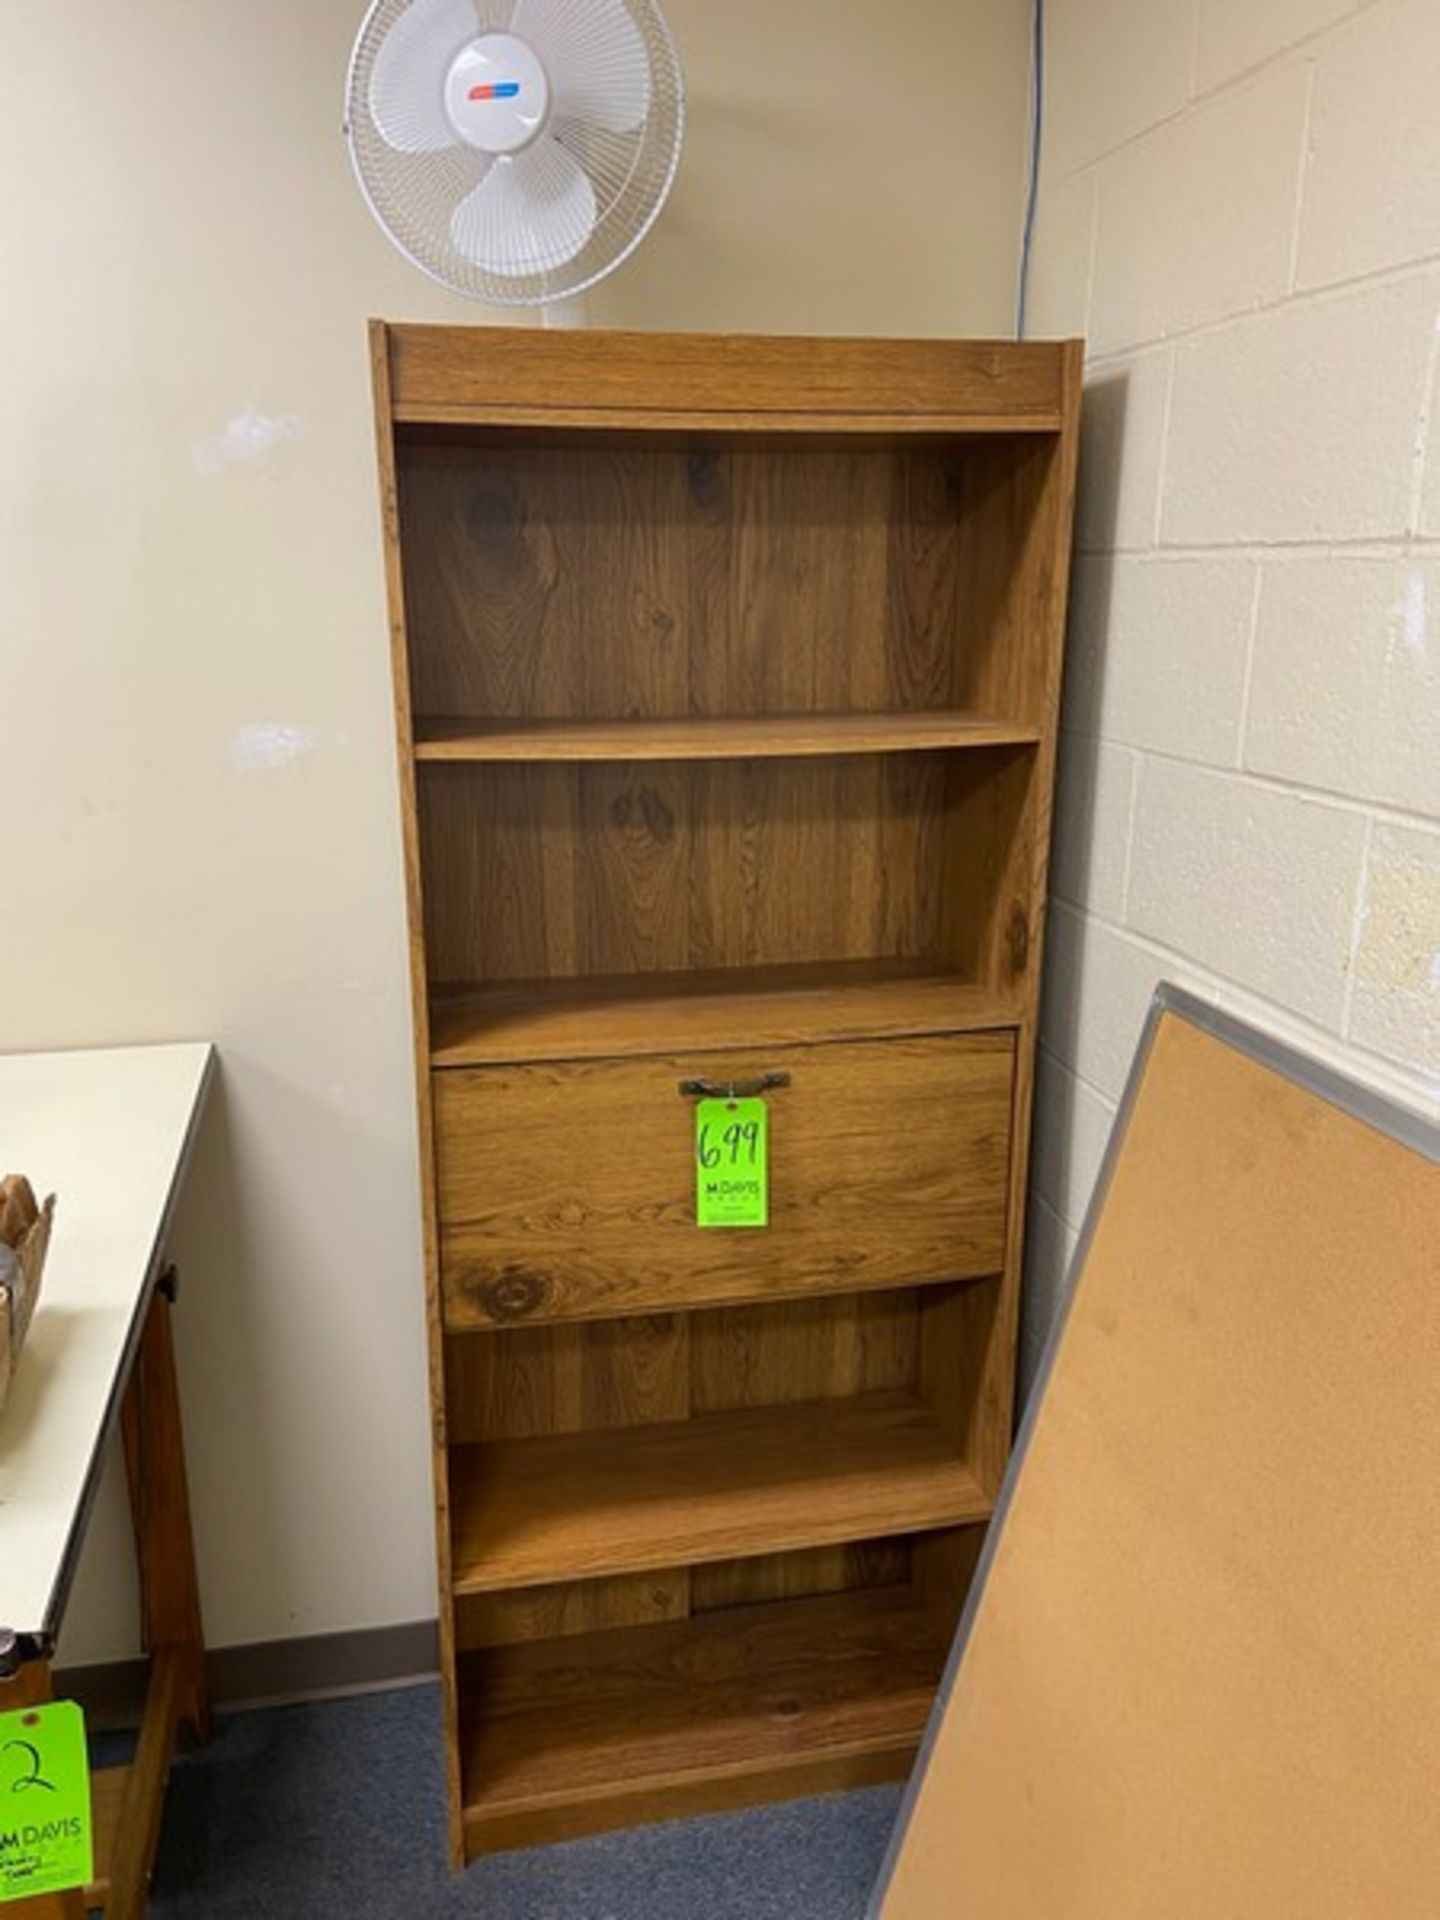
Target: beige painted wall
[200,794]
[1242,211]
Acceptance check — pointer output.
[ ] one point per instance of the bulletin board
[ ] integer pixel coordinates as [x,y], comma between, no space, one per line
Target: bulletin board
[1199,1675]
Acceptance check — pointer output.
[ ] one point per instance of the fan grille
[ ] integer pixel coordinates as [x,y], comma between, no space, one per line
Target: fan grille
[413,195]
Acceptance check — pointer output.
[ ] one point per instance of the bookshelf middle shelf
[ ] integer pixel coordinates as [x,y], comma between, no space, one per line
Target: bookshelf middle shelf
[743,737]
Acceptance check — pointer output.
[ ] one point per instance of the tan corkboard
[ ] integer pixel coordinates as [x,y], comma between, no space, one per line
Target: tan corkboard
[1201,1679]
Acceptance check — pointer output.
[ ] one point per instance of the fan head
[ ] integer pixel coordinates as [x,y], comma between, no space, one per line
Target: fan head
[516,150]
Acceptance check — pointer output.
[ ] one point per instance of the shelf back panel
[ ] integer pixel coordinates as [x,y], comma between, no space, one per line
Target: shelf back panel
[568,1608]
[622,582]
[648,1368]
[615,868]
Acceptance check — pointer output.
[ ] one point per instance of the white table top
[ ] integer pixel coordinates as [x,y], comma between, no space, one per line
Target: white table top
[106,1132]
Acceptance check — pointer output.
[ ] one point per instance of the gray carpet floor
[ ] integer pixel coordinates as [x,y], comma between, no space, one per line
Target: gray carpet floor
[332,1811]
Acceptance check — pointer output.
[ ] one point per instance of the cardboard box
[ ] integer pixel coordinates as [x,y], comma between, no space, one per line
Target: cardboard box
[24,1238]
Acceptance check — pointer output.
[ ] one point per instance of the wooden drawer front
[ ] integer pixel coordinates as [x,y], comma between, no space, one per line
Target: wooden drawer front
[567,1190]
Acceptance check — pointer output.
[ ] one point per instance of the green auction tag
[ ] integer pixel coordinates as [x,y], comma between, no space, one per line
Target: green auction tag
[732,1163]
[45,1835]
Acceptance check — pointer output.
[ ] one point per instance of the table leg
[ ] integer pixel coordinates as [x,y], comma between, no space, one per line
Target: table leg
[30,1687]
[160,1507]
[169,1603]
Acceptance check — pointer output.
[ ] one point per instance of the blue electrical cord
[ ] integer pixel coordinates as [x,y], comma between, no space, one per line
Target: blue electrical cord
[1037,117]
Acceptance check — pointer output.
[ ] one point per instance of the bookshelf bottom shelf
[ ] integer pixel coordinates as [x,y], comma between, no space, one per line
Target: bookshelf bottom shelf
[724,1709]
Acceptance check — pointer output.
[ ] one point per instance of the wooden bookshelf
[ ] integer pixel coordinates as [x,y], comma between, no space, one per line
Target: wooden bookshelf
[726,682]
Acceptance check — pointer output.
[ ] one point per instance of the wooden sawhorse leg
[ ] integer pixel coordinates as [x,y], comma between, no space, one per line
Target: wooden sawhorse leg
[178,1694]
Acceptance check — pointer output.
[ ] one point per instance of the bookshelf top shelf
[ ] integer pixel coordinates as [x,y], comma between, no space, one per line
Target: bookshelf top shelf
[509,377]
[769,737]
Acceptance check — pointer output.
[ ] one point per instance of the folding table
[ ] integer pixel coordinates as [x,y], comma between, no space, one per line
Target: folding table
[109,1132]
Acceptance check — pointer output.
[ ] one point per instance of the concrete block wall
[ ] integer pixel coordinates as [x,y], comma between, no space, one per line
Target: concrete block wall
[1240,209]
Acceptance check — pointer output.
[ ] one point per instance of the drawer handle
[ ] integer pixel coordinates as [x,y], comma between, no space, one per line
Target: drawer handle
[732,1089]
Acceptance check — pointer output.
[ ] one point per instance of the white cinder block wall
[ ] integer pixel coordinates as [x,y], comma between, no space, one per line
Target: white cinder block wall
[1241,209]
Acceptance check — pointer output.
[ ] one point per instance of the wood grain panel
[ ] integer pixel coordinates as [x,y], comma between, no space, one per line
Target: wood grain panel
[992,852]
[640,826]
[626,625]
[569,1378]
[548,584]
[623,868]
[611,585]
[728,737]
[563,1379]
[807,558]
[930,627]
[577,1735]
[109,1791]
[1030,626]
[771,1353]
[661,430]
[610,1014]
[562,1609]
[483,576]
[439,372]
[504,850]
[889,1166]
[802,1575]
[400,680]
[565,1608]
[585,1378]
[131,1859]
[800,1350]
[609,1373]
[962,1335]
[942,1568]
[756,1480]
[1009,578]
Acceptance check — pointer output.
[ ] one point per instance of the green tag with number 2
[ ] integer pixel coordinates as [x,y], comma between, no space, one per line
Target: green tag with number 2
[45,1838]
[732,1163]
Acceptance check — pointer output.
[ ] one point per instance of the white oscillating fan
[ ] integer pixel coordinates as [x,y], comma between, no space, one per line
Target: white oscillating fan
[515,150]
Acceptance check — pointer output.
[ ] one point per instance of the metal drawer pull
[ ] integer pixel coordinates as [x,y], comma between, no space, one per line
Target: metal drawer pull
[732,1089]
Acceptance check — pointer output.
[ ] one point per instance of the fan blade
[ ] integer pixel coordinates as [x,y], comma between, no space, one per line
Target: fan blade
[595,57]
[407,83]
[529,214]
[532,212]
[607,158]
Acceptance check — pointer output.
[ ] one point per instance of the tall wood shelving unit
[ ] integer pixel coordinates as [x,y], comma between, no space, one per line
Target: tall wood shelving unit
[726,680]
